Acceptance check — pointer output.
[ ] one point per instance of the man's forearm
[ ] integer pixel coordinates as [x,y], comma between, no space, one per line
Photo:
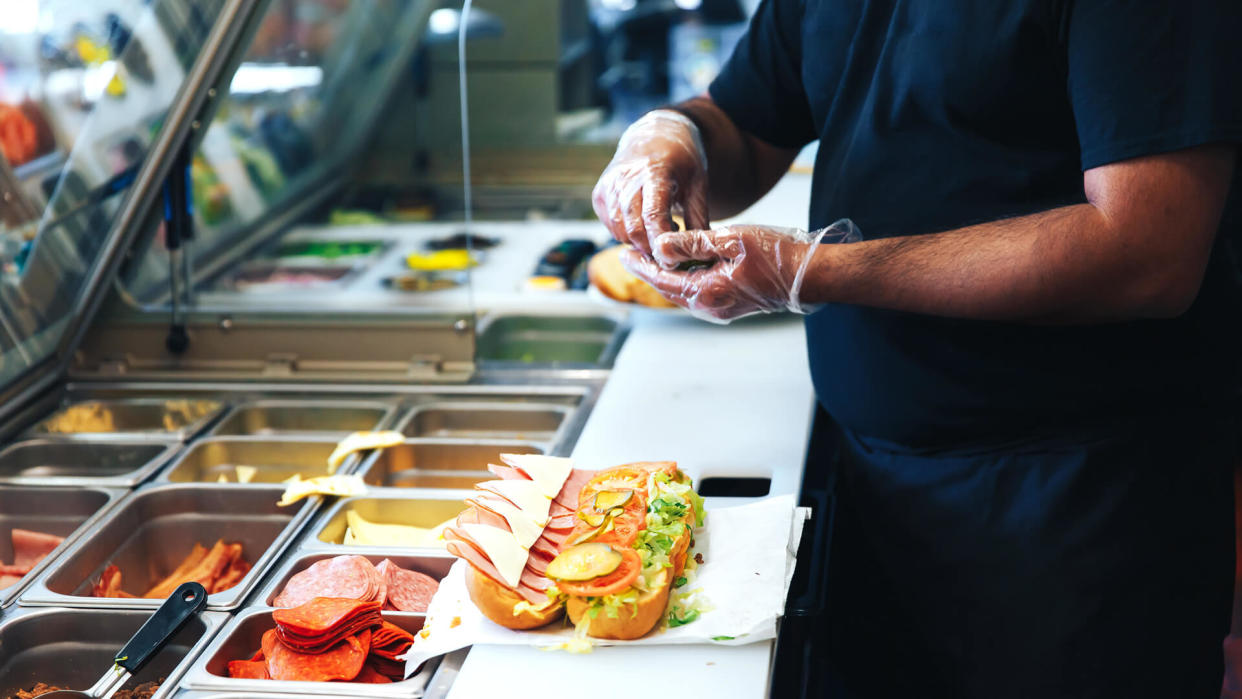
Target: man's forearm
[1067,265]
[740,168]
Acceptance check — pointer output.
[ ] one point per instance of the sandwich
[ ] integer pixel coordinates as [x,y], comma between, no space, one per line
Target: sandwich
[606,547]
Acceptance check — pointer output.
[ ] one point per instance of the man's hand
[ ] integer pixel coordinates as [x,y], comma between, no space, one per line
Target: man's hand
[732,272]
[660,163]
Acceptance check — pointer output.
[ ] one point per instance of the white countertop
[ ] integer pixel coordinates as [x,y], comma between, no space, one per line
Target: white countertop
[721,400]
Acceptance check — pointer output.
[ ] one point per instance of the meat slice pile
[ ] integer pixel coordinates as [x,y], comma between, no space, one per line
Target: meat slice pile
[354,577]
[216,569]
[328,639]
[29,548]
[534,581]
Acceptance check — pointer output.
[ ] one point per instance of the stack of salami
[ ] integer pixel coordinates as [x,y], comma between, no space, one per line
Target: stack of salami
[29,548]
[327,639]
[354,577]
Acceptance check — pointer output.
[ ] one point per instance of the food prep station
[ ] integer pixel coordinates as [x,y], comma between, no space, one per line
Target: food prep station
[129,445]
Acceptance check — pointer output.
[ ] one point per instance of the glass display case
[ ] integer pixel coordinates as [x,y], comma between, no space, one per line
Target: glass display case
[88,96]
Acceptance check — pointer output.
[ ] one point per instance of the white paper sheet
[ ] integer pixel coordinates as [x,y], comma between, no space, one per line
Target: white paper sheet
[748,561]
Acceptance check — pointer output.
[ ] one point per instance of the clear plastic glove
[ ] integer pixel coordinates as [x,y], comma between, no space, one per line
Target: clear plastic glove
[735,271]
[659,169]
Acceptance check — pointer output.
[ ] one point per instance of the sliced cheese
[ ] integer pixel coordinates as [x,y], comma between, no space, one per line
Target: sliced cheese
[548,472]
[361,441]
[526,495]
[245,474]
[363,532]
[502,549]
[525,529]
[296,488]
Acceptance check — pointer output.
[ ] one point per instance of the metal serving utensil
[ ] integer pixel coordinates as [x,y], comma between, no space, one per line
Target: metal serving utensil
[183,603]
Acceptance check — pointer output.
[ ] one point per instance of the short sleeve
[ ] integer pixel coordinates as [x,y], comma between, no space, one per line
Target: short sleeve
[760,87]
[1153,76]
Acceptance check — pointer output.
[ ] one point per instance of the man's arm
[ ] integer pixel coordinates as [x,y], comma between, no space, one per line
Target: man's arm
[1137,249]
[741,167]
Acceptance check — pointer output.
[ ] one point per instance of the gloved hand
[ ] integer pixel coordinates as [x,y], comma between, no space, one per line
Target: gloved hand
[659,168]
[735,271]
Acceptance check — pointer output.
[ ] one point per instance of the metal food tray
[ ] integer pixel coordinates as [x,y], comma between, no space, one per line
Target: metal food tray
[439,463]
[136,418]
[415,508]
[274,460]
[483,419]
[155,528]
[59,511]
[526,341]
[73,647]
[295,418]
[58,461]
[240,639]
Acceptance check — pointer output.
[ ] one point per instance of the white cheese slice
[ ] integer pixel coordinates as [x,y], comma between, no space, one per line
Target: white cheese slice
[525,529]
[502,549]
[548,472]
[525,494]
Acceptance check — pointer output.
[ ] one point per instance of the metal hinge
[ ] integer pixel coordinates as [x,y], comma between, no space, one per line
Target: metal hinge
[280,365]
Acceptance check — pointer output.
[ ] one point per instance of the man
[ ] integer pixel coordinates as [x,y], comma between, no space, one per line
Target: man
[1031,354]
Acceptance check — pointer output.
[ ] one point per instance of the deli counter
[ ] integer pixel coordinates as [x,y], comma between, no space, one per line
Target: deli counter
[199,300]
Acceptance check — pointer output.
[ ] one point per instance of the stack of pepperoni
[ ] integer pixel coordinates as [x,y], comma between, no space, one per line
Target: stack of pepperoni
[329,639]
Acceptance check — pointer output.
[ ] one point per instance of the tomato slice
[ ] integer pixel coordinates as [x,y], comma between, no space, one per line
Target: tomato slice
[618,580]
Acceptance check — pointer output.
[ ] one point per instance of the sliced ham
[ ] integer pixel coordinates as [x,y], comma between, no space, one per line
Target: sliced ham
[475,515]
[561,522]
[568,497]
[555,538]
[14,570]
[536,565]
[534,581]
[9,580]
[31,547]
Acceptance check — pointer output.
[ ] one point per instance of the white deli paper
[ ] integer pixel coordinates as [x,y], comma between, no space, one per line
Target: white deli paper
[748,560]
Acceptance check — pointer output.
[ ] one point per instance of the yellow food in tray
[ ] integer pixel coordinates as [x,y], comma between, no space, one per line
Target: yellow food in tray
[441,261]
[363,532]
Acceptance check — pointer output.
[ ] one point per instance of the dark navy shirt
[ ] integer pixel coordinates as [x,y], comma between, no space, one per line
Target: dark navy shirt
[936,115]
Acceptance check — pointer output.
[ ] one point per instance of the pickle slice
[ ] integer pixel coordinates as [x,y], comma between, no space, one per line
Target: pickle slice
[608,499]
[584,562]
[595,519]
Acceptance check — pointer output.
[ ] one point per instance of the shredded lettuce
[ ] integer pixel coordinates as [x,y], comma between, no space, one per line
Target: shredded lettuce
[687,607]
[666,510]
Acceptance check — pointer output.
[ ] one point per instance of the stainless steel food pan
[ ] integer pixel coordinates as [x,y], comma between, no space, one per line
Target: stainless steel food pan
[567,341]
[75,462]
[532,422]
[419,509]
[438,464]
[149,535]
[291,417]
[60,511]
[274,460]
[241,638]
[433,563]
[73,647]
[130,418]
